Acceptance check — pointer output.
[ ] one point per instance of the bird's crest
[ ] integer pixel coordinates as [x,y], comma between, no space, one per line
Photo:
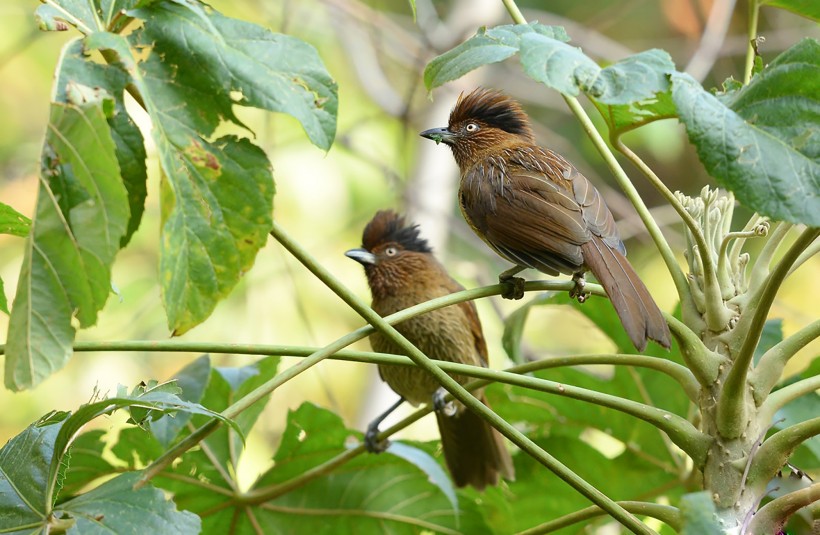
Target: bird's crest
[387,226]
[492,108]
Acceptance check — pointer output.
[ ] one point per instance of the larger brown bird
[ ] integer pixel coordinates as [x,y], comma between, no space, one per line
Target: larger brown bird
[401,272]
[532,207]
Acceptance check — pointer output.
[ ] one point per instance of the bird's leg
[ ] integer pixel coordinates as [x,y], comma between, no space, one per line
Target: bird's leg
[371,436]
[578,291]
[515,285]
[447,408]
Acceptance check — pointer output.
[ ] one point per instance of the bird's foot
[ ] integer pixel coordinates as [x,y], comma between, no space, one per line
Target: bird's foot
[371,440]
[440,404]
[578,291]
[513,287]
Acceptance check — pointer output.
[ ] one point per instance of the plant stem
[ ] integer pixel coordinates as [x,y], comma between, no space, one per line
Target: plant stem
[754,10]
[672,265]
[771,364]
[776,450]
[732,405]
[779,398]
[701,361]
[450,384]
[772,516]
[665,513]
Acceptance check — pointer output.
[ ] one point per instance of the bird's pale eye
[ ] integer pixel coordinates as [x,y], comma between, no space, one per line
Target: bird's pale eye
[471,127]
[391,251]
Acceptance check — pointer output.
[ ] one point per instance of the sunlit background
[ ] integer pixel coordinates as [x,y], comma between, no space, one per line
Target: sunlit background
[376,52]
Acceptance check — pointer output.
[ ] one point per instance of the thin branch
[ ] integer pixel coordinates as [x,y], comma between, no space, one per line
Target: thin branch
[665,513]
[751,40]
[731,409]
[702,362]
[776,450]
[770,367]
[773,516]
[452,386]
[779,398]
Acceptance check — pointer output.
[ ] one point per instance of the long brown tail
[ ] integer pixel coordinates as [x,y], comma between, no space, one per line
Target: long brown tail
[638,312]
[473,449]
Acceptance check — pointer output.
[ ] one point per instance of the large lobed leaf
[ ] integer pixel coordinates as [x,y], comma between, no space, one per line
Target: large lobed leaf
[762,141]
[80,219]
[33,468]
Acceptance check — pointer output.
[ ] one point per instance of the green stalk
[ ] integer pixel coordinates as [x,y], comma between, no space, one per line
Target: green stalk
[754,10]
[779,398]
[732,404]
[450,384]
[665,513]
[775,452]
[669,258]
[771,364]
[774,514]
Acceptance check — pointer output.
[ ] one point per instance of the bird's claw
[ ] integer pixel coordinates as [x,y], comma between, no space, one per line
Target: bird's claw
[441,405]
[371,440]
[578,292]
[513,287]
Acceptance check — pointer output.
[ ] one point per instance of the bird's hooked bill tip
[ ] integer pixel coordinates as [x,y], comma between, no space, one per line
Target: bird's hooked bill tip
[438,135]
[362,256]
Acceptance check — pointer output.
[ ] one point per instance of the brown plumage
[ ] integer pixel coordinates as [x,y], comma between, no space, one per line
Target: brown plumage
[401,272]
[533,208]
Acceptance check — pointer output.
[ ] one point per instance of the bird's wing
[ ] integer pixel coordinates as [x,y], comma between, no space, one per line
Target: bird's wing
[596,214]
[468,308]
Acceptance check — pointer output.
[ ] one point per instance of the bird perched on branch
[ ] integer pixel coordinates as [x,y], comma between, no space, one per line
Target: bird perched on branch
[532,207]
[401,272]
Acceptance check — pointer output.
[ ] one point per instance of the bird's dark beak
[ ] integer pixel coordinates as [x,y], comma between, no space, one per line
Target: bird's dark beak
[440,135]
[362,256]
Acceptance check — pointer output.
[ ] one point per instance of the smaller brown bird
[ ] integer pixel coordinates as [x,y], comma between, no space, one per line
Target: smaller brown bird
[401,272]
[533,208]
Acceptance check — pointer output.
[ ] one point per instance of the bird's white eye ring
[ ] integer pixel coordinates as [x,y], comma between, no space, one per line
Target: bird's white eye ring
[391,251]
[471,127]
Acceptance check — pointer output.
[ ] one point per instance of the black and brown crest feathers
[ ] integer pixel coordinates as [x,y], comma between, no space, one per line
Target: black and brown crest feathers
[389,227]
[494,109]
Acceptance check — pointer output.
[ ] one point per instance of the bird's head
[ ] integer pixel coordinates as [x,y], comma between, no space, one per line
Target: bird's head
[483,120]
[393,253]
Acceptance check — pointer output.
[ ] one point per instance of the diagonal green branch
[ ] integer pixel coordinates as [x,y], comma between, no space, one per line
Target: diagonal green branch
[772,517]
[457,390]
[776,450]
[732,404]
[665,513]
[771,364]
[779,398]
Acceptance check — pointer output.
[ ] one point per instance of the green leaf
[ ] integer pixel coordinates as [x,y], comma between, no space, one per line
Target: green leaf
[425,462]
[12,222]
[217,55]
[4,306]
[699,515]
[622,118]
[85,462]
[772,335]
[58,14]
[567,70]
[77,68]
[192,380]
[115,507]
[806,8]
[801,409]
[485,47]
[216,197]
[765,145]
[80,218]
[25,478]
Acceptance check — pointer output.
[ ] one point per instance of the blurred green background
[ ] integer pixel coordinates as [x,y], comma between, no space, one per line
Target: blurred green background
[376,52]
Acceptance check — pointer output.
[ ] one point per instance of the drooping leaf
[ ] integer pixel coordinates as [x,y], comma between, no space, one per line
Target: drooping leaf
[806,8]
[115,507]
[86,462]
[80,219]
[485,47]
[217,195]
[762,142]
[77,68]
[192,380]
